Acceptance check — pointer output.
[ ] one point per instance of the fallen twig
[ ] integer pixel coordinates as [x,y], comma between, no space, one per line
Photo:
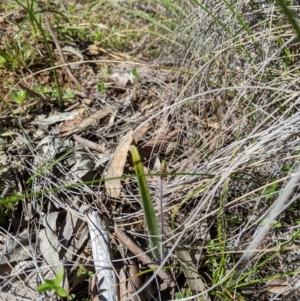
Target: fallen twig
[90,144]
[62,57]
[137,251]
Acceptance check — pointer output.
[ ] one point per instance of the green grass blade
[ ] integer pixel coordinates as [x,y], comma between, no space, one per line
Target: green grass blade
[35,22]
[289,14]
[240,19]
[214,17]
[189,196]
[148,208]
[148,18]
[47,165]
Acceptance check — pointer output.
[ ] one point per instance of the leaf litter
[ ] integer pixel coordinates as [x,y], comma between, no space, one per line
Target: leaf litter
[75,149]
[68,151]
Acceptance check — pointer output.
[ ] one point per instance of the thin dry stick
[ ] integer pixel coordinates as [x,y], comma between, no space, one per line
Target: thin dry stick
[274,211]
[90,144]
[161,193]
[62,57]
[137,251]
[270,250]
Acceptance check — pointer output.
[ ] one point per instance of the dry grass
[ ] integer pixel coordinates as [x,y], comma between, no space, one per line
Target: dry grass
[239,120]
[220,104]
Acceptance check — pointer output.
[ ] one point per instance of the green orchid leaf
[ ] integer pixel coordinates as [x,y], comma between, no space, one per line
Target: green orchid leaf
[148,208]
[47,286]
[61,292]
[59,277]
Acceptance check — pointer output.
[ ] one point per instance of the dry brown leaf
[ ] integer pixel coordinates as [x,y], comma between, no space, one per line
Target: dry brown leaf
[93,292]
[116,166]
[172,135]
[49,241]
[121,80]
[171,147]
[67,231]
[87,101]
[215,125]
[19,254]
[130,282]
[278,286]
[155,143]
[162,138]
[61,117]
[70,124]
[140,132]
[94,49]
[89,121]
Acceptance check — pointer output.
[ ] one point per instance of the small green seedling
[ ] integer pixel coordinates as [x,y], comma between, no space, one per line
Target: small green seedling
[43,90]
[83,271]
[19,96]
[69,94]
[98,35]
[106,69]
[135,74]
[2,61]
[101,87]
[54,285]
[186,294]
[154,53]
[6,57]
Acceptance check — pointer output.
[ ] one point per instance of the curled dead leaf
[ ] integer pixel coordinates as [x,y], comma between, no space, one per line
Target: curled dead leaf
[94,49]
[155,143]
[278,286]
[89,121]
[140,132]
[116,166]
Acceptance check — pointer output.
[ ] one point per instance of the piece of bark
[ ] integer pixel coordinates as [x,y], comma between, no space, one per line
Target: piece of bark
[106,278]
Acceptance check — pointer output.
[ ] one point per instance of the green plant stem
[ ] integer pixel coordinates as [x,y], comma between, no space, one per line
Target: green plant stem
[290,16]
[29,9]
[151,222]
